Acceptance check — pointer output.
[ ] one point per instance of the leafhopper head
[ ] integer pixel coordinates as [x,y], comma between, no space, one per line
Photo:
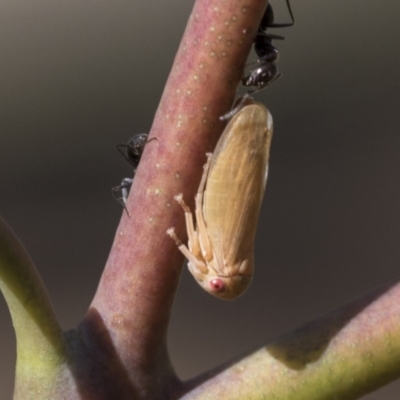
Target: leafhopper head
[221,243]
[223,287]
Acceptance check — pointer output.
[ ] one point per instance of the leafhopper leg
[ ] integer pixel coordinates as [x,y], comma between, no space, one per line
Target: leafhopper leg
[193,240]
[187,253]
[205,244]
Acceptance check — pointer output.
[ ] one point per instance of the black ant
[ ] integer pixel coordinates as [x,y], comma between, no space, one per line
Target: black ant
[267,70]
[132,152]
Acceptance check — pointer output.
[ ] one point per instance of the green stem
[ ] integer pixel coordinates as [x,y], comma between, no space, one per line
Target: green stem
[343,355]
[40,345]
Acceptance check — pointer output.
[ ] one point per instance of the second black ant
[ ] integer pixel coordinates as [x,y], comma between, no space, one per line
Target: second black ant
[132,152]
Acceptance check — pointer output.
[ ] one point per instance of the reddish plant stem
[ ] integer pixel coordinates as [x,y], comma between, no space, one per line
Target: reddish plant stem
[133,302]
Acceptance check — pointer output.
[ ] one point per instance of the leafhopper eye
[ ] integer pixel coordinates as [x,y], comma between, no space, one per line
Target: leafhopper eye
[228,202]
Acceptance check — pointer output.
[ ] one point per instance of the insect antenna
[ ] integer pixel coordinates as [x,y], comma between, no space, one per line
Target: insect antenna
[241,101]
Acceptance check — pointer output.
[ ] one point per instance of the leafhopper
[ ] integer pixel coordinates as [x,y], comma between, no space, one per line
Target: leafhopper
[220,248]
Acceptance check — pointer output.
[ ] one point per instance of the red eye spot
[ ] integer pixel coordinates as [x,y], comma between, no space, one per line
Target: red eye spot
[217,285]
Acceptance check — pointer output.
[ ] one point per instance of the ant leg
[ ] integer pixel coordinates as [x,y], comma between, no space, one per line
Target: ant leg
[121,192]
[287,24]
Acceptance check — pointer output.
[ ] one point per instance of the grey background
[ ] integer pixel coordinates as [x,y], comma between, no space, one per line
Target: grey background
[77,77]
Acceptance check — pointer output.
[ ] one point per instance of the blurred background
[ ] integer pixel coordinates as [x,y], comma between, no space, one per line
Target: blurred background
[78,77]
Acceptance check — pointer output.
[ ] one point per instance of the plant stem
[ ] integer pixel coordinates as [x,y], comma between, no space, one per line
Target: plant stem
[133,301]
[343,355]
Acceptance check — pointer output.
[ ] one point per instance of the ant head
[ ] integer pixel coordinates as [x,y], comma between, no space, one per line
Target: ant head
[132,151]
[136,145]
